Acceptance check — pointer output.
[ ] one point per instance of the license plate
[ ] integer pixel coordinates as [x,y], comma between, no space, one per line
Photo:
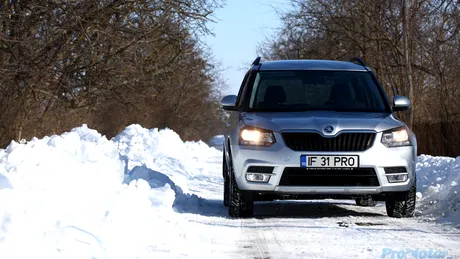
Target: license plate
[308,161]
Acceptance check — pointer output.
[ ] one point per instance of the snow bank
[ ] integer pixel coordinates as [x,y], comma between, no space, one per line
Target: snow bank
[55,183]
[439,188]
[79,195]
[163,151]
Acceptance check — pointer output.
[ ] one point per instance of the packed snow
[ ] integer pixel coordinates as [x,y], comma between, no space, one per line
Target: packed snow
[147,193]
[439,188]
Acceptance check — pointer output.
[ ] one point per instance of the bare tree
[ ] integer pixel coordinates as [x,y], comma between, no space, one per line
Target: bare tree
[107,63]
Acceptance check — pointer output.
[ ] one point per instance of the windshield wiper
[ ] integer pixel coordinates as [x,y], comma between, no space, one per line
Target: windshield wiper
[301,109]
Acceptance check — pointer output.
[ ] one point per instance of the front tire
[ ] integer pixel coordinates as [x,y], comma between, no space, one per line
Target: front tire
[226,182]
[402,205]
[241,203]
[226,192]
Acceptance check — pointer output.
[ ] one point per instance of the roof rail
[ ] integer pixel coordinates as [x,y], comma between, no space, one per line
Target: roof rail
[358,60]
[256,61]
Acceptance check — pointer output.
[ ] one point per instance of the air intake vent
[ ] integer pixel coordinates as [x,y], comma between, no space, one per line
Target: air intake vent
[395,170]
[345,142]
[296,176]
[261,169]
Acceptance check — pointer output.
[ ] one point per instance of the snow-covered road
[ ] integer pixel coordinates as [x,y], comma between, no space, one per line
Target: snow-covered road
[147,194]
[318,229]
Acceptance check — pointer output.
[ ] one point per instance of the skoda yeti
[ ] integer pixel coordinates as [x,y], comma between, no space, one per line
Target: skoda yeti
[317,129]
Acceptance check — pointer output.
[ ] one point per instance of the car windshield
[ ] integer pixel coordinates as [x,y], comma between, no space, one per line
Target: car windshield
[351,91]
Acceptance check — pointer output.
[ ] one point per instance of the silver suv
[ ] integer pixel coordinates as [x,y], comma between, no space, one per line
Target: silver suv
[316,129]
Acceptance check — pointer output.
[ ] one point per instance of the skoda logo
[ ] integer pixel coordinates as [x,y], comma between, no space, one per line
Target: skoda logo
[328,129]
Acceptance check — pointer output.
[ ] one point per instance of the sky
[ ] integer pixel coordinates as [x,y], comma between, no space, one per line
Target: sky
[240,27]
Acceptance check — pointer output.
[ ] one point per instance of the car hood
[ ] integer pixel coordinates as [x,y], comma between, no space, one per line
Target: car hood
[319,120]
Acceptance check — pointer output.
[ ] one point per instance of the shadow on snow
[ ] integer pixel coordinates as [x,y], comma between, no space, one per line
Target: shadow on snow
[184,202]
[190,203]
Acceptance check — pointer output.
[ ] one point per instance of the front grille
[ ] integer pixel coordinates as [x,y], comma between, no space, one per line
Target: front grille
[296,176]
[345,142]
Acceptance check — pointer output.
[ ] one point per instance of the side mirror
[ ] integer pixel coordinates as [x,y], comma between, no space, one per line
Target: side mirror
[401,103]
[229,103]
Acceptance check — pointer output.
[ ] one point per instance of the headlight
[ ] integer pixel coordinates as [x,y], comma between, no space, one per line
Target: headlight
[256,137]
[396,138]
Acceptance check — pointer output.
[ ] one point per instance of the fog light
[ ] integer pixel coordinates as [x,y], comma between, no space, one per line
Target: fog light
[254,177]
[397,178]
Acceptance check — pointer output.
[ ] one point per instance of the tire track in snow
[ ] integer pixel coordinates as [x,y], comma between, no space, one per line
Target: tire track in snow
[256,241]
[319,234]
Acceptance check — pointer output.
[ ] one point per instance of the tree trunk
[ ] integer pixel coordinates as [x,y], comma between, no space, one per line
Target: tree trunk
[407,61]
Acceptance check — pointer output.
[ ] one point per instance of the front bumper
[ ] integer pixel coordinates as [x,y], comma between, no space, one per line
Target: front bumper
[280,157]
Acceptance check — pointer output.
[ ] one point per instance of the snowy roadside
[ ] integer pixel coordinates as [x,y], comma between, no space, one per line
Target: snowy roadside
[439,188]
[79,195]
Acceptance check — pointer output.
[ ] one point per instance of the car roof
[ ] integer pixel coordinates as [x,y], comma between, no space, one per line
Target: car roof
[311,64]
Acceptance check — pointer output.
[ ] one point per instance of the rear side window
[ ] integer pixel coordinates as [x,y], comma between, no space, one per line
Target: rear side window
[316,90]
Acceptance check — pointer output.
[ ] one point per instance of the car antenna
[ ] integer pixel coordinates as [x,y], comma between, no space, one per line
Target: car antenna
[359,61]
[256,61]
